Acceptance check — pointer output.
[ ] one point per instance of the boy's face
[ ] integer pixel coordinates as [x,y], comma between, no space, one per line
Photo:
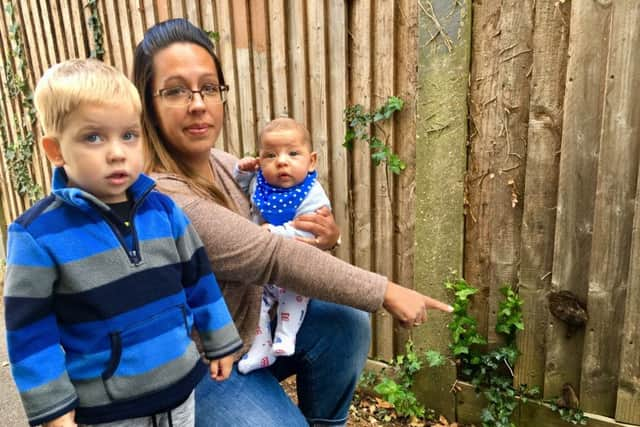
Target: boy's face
[285,158]
[100,149]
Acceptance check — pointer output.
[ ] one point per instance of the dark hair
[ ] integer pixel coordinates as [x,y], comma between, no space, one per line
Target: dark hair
[159,157]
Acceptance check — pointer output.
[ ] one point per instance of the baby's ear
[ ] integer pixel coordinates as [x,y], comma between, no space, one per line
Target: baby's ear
[52,149]
[313,161]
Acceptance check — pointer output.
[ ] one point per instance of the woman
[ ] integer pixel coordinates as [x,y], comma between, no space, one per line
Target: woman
[182,87]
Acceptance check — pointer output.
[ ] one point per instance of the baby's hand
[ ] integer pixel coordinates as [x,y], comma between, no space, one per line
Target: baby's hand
[220,369]
[248,164]
[66,420]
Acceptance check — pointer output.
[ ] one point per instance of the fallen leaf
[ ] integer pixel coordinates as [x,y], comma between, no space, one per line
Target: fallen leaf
[383,404]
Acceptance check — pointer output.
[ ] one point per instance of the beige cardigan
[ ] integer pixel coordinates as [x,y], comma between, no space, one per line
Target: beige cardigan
[244,256]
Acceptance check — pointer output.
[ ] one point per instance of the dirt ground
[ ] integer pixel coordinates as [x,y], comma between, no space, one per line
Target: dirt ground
[367,411]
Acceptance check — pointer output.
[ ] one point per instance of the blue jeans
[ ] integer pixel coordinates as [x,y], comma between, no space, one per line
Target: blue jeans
[331,350]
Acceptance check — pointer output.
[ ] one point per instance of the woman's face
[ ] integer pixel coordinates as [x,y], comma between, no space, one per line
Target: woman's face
[190,130]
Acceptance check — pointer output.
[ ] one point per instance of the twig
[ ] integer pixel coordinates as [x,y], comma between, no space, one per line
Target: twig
[513,56]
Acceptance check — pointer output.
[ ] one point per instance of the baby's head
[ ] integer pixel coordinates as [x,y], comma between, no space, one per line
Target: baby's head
[90,113]
[286,156]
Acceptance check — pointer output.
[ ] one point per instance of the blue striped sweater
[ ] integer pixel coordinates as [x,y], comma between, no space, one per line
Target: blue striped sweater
[99,319]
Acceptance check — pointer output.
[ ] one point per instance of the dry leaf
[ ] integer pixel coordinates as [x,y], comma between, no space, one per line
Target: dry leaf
[383,404]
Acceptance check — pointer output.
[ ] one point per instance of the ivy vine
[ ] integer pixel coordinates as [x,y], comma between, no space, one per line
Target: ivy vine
[95,25]
[19,153]
[359,123]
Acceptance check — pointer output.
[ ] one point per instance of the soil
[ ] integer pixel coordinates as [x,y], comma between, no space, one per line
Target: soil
[368,411]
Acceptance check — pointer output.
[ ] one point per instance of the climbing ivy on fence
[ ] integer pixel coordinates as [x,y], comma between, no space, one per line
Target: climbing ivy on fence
[95,25]
[359,123]
[19,152]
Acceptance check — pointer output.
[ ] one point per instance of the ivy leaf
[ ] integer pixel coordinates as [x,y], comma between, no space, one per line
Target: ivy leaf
[434,358]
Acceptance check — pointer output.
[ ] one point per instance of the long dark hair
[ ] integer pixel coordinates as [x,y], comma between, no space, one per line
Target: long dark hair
[158,154]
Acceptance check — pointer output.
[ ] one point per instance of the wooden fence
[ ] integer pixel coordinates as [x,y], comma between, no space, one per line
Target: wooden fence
[552,156]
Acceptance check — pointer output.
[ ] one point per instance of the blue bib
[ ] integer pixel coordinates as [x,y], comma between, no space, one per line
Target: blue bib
[279,205]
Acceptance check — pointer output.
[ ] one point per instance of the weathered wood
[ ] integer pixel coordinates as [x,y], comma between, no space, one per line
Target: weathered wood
[278,51]
[406,23]
[576,184]
[381,179]
[10,204]
[628,396]
[55,21]
[484,114]
[79,28]
[297,60]
[317,81]
[232,132]
[550,43]
[337,102]
[127,36]
[244,72]
[260,56]
[40,165]
[359,157]
[444,47]
[530,414]
[613,215]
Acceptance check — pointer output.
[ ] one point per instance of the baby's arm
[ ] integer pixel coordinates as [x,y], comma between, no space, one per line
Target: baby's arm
[316,199]
[33,336]
[244,171]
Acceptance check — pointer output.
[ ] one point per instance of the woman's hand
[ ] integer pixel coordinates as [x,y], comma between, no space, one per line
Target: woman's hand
[322,225]
[220,369]
[66,420]
[410,307]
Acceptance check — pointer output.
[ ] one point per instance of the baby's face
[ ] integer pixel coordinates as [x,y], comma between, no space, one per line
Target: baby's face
[285,158]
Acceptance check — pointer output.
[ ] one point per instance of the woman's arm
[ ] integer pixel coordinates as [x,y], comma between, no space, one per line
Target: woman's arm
[322,225]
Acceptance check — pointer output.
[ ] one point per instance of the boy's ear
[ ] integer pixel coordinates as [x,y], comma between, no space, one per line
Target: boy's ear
[52,149]
[313,160]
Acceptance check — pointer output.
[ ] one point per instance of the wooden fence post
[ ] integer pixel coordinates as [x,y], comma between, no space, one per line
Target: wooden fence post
[443,76]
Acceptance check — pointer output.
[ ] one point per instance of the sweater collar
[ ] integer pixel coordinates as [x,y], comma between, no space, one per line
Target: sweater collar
[82,199]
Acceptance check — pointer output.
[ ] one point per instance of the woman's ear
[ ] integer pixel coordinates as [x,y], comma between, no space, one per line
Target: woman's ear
[52,149]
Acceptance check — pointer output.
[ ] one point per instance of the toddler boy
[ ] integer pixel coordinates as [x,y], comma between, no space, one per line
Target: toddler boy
[106,277]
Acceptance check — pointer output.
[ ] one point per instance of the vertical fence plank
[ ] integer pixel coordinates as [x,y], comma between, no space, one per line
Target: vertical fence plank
[383,88]
[69,28]
[233,140]
[582,119]
[405,134]
[628,396]
[11,202]
[244,70]
[337,101]
[499,114]
[39,164]
[297,60]
[125,14]
[55,19]
[613,215]
[361,75]
[79,28]
[317,48]
[483,112]
[112,38]
[260,55]
[550,43]
[278,56]
[443,65]
[137,11]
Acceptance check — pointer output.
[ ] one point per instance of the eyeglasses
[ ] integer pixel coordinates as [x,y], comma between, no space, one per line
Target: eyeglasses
[180,96]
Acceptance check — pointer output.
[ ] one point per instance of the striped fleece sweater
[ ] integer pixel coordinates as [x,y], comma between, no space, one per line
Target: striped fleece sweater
[99,311]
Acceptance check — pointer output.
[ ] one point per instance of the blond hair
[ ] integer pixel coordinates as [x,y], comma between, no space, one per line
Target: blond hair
[286,123]
[66,86]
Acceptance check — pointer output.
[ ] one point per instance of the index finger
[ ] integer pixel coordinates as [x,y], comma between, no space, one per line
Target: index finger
[432,303]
